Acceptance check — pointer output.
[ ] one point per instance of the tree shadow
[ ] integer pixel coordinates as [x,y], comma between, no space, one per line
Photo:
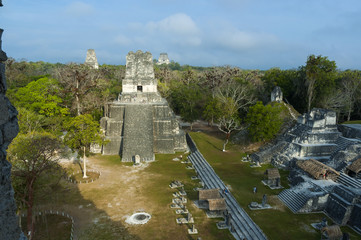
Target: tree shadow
[90,222]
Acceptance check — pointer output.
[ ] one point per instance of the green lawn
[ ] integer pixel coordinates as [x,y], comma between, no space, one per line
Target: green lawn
[352,122]
[279,223]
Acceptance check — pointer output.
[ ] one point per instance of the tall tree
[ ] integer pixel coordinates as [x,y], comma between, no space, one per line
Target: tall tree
[41,96]
[32,155]
[234,97]
[351,85]
[82,131]
[320,78]
[78,81]
[264,121]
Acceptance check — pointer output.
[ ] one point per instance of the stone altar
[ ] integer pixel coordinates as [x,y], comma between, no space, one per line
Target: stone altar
[9,228]
[91,59]
[141,122]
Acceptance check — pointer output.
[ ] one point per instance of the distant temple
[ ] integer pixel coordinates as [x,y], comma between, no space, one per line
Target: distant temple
[140,123]
[91,59]
[163,59]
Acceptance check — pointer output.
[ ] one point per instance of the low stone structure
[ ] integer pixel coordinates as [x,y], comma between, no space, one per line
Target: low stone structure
[91,59]
[354,169]
[9,228]
[332,232]
[163,59]
[272,178]
[140,122]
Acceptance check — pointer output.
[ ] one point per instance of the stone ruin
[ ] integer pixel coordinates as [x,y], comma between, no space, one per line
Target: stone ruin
[163,59]
[318,155]
[91,59]
[9,228]
[276,95]
[140,122]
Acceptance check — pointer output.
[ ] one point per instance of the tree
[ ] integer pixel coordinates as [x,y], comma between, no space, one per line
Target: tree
[32,155]
[351,86]
[234,97]
[264,121]
[78,81]
[30,121]
[41,97]
[187,100]
[320,78]
[82,131]
[213,110]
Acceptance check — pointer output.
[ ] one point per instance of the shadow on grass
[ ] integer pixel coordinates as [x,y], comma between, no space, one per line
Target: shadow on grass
[90,222]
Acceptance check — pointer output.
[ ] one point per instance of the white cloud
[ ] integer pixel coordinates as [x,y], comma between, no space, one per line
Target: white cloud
[122,40]
[178,28]
[79,9]
[238,40]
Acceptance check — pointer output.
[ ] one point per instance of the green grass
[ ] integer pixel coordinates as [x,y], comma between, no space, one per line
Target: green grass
[352,122]
[278,223]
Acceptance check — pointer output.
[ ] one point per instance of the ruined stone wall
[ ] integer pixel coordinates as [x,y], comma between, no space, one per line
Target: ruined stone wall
[9,228]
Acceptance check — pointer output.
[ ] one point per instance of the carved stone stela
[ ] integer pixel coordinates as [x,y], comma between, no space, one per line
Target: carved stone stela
[140,122]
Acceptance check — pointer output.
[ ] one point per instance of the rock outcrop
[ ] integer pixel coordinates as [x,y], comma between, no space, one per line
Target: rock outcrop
[9,228]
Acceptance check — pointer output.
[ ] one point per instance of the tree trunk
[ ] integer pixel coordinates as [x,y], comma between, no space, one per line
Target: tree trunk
[349,112]
[226,141]
[77,97]
[84,176]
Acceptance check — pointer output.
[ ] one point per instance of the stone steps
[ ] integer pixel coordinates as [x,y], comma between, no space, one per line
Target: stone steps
[343,143]
[243,225]
[293,200]
[138,133]
[348,181]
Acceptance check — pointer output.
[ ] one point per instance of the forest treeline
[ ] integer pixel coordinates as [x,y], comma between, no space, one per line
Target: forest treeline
[47,94]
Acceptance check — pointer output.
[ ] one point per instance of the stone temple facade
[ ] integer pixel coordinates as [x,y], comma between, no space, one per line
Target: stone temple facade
[317,155]
[163,59]
[91,59]
[9,228]
[140,123]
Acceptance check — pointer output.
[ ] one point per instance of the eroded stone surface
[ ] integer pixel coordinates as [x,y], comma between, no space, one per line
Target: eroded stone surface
[9,228]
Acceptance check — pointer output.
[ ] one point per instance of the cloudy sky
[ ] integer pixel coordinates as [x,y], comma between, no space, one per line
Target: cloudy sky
[250,34]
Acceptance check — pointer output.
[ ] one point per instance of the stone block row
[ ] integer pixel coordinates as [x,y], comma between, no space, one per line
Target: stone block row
[243,225]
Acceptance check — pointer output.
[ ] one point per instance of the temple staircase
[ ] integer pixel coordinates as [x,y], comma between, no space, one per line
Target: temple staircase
[138,133]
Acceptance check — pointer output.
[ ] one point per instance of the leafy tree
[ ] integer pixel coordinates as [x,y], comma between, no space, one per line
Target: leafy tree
[30,121]
[41,97]
[234,97]
[82,131]
[84,87]
[320,78]
[187,100]
[213,110]
[264,121]
[32,155]
[351,88]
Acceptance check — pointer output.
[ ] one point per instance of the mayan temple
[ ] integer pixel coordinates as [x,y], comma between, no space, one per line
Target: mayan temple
[140,123]
[91,59]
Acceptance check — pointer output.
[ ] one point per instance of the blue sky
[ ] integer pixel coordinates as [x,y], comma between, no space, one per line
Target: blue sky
[250,34]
